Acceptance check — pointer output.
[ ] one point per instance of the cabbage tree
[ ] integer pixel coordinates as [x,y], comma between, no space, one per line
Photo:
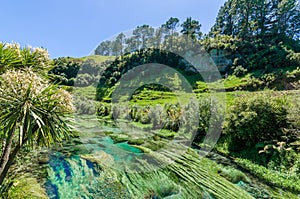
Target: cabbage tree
[31,113]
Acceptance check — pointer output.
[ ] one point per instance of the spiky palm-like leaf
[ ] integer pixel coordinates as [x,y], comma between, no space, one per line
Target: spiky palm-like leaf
[31,113]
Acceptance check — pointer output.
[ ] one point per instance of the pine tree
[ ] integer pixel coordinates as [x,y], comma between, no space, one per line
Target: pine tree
[143,35]
[118,45]
[169,28]
[264,19]
[191,28]
[104,49]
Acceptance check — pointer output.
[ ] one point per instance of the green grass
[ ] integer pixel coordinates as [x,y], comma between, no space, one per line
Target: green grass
[164,133]
[279,179]
[141,126]
[203,90]
[234,82]
[98,58]
[227,98]
[89,92]
[151,97]
[230,83]
[260,73]
[27,188]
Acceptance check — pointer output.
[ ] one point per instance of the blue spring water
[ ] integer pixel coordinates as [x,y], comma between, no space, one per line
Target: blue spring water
[74,177]
[65,175]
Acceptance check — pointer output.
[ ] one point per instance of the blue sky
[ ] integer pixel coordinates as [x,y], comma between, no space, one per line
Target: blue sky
[75,27]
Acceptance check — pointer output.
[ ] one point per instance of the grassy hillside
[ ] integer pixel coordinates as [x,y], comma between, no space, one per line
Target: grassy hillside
[98,58]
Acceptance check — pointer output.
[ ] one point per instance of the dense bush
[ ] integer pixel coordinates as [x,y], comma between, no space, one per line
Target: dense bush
[294,129]
[194,117]
[267,58]
[103,110]
[239,71]
[210,116]
[83,80]
[84,105]
[253,120]
[158,116]
[265,130]
[65,70]
[294,58]
[173,112]
[71,71]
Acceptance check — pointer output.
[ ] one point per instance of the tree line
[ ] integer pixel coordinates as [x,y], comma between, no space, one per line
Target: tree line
[146,36]
[268,19]
[259,34]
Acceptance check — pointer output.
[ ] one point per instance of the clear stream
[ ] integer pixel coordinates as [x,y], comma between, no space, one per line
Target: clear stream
[71,176]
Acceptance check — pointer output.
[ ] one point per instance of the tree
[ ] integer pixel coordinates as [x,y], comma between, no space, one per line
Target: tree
[104,49]
[272,20]
[143,35]
[224,22]
[244,14]
[158,37]
[31,109]
[287,18]
[131,44]
[31,113]
[65,70]
[12,56]
[294,23]
[191,28]
[171,24]
[170,27]
[118,45]
[262,21]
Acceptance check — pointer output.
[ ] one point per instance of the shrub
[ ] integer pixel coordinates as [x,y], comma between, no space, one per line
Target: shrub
[84,106]
[173,117]
[210,116]
[144,115]
[12,56]
[85,79]
[284,180]
[239,71]
[294,58]
[103,109]
[158,116]
[254,120]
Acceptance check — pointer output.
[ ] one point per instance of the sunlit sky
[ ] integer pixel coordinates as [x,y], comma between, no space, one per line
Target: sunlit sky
[75,27]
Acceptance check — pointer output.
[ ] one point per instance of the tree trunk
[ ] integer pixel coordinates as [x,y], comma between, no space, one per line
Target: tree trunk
[6,150]
[9,163]
[7,157]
